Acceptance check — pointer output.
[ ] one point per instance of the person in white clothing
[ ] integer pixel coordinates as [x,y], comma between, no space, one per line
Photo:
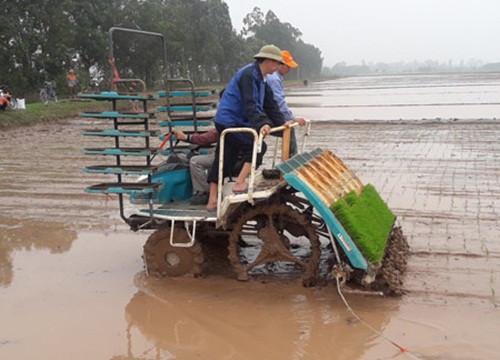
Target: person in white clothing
[275,81]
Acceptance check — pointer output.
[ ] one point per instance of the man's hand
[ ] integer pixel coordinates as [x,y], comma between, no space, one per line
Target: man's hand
[301,121]
[179,135]
[265,130]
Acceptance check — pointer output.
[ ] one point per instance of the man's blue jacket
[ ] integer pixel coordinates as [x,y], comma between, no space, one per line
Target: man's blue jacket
[248,101]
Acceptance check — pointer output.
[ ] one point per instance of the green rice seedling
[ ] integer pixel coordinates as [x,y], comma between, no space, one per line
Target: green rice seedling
[367,220]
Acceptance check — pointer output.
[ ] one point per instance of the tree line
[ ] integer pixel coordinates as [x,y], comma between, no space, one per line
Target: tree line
[408,67]
[40,41]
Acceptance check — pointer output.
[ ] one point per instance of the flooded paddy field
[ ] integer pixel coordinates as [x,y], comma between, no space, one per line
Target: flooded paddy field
[72,284]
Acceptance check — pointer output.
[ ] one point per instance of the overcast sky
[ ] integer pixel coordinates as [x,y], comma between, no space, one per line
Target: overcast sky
[388,30]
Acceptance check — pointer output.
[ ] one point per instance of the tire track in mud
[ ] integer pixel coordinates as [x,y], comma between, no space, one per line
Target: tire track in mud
[441,181]
[445,276]
[42,177]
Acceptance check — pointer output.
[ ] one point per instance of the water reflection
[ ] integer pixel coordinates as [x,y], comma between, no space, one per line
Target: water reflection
[218,318]
[30,235]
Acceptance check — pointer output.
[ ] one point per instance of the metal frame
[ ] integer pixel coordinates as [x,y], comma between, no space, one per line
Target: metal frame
[256,148]
[117,145]
[192,236]
[139,32]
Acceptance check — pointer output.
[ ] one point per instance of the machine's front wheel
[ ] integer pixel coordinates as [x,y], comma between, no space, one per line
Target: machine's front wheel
[163,259]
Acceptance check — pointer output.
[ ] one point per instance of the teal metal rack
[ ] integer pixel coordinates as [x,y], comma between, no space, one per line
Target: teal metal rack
[124,126]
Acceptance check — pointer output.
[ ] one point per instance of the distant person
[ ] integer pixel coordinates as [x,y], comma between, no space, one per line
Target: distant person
[247,102]
[4,102]
[5,97]
[72,83]
[275,81]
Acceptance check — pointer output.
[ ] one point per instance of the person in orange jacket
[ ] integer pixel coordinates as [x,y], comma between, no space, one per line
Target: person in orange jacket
[5,97]
[72,82]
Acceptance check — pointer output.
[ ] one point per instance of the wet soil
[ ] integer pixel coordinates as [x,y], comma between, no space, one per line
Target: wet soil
[72,284]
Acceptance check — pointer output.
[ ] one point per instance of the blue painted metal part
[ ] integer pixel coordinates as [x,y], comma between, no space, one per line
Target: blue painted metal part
[167,152]
[117,190]
[112,132]
[174,185]
[343,239]
[124,152]
[116,114]
[185,123]
[113,95]
[185,108]
[118,170]
[198,93]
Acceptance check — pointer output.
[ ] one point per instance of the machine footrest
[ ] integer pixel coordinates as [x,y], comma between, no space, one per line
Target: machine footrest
[123,169]
[186,108]
[123,188]
[123,151]
[184,214]
[123,133]
[116,114]
[197,93]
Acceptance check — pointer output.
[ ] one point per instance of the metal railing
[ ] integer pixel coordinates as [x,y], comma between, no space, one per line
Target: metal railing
[257,148]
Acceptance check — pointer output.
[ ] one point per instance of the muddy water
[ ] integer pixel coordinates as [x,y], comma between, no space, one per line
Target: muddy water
[72,285]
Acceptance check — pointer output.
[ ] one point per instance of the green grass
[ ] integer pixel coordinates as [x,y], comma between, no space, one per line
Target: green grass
[367,220]
[38,113]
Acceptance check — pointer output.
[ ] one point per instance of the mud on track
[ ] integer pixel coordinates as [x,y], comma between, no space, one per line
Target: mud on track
[68,262]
